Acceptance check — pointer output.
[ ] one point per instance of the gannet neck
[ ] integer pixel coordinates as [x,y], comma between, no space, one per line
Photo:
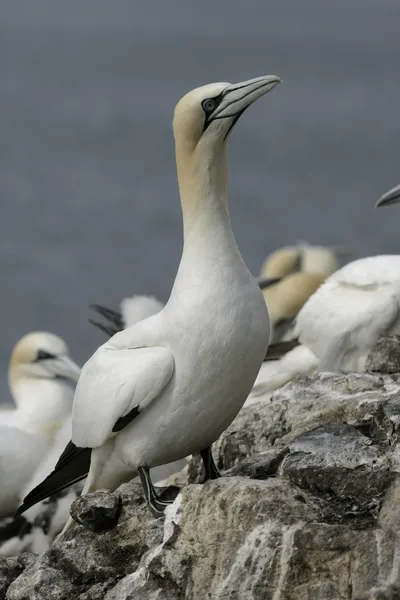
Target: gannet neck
[202,178]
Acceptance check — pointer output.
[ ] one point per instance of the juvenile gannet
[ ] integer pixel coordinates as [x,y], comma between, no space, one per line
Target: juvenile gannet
[168,386]
[40,378]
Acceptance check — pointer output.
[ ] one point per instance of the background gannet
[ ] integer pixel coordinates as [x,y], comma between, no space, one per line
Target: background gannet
[304,258]
[42,378]
[168,386]
[302,268]
[132,310]
[347,315]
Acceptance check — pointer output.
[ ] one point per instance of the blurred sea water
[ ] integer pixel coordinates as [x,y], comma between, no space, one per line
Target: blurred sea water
[88,194]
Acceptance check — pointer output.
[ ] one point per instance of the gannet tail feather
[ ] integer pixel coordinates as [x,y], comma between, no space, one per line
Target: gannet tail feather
[108,313]
[278,349]
[73,466]
[107,329]
[114,318]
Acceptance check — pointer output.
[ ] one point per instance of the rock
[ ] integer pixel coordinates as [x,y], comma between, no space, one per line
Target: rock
[10,568]
[341,466]
[98,511]
[389,592]
[308,509]
[385,356]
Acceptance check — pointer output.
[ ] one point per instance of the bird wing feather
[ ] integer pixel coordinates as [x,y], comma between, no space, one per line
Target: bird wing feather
[114,383]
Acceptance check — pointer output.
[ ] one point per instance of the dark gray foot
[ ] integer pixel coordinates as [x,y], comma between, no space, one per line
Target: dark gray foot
[157,504]
[209,465]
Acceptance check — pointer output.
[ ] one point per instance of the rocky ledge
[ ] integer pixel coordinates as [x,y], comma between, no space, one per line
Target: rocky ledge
[308,508]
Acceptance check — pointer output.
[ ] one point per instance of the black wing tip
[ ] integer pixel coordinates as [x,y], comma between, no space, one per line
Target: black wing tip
[108,330]
[113,316]
[72,466]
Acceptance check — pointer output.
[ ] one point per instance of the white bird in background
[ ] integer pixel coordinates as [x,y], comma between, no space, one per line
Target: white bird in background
[303,258]
[168,386]
[347,315]
[302,269]
[354,308]
[42,378]
[132,310]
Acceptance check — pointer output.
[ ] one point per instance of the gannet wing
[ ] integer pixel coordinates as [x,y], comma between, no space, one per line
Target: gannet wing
[115,387]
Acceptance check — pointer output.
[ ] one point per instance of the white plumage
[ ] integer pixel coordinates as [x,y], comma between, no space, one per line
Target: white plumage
[169,385]
[347,315]
[137,308]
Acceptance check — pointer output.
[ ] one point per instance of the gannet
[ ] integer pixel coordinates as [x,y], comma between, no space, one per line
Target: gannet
[303,258]
[347,315]
[169,385]
[302,268]
[356,306]
[40,378]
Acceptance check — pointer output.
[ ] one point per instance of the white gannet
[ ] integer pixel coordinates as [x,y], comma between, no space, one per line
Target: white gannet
[40,378]
[347,315]
[168,386]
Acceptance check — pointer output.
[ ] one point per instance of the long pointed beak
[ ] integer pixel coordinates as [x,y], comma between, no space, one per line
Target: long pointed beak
[391,197]
[266,282]
[63,366]
[237,97]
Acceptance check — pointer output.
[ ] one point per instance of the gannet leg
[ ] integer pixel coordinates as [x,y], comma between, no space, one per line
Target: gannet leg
[209,465]
[156,503]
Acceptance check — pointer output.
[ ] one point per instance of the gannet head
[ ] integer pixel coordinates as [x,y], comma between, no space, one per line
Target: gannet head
[207,114]
[303,258]
[41,355]
[391,197]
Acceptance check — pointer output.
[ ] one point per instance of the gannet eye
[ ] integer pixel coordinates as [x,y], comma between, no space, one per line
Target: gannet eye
[43,355]
[209,105]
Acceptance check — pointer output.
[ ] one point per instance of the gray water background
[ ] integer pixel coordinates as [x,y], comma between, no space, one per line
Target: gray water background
[89,209]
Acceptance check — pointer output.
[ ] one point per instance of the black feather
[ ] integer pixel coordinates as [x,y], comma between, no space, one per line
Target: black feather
[126,419]
[279,349]
[73,466]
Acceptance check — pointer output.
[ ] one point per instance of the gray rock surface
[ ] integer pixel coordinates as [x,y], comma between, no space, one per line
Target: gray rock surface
[308,509]
[97,512]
